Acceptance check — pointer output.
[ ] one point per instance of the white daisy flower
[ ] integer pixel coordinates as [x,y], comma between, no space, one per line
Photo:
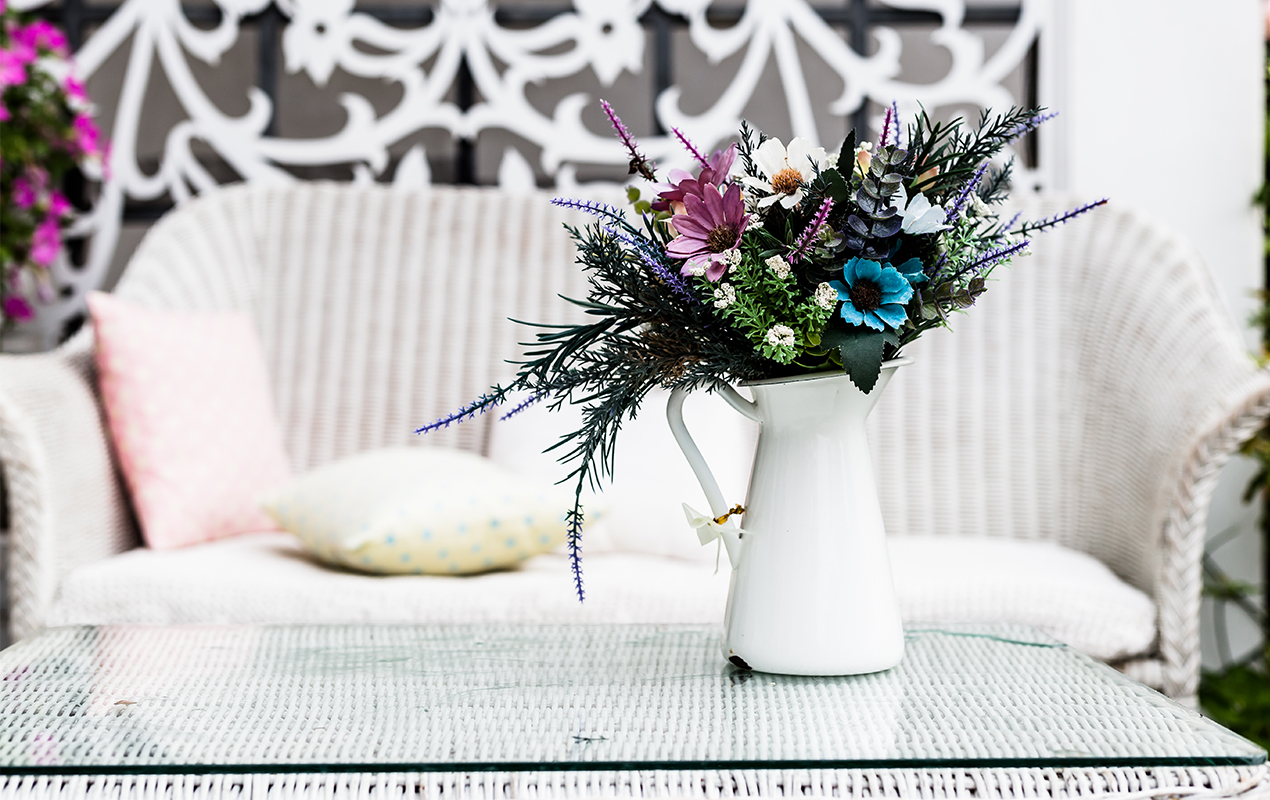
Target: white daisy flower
[920,216]
[785,170]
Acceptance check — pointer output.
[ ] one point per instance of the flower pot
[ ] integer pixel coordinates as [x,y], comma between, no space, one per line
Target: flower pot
[811,590]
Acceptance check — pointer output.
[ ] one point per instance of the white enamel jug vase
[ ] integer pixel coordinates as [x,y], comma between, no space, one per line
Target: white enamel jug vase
[811,590]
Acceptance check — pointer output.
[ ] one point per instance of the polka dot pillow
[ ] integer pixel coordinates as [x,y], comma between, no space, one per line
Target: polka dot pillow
[420,510]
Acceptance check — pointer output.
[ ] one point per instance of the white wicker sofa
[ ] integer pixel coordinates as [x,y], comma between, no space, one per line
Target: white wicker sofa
[1051,462]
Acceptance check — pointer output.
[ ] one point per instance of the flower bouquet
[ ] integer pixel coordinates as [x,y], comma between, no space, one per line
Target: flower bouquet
[46,130]
[772,261]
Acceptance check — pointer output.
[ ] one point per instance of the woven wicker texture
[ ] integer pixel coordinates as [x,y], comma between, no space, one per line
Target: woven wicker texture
[1247,783]
[1090,399]
[515,697]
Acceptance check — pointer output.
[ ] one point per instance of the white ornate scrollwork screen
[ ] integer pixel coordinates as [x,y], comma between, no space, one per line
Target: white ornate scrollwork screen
[197,94]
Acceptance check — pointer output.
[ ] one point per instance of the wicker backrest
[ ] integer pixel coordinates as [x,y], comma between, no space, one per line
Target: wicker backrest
[381,310]
[1042,412]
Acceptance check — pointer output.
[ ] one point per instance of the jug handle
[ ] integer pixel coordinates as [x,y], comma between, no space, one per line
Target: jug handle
[718,506]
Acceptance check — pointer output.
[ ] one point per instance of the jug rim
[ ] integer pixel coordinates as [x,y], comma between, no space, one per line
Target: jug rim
[814,376]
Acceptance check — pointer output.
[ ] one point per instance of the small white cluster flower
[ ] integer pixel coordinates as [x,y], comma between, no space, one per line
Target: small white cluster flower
[826,296]
[832,160]
[781,336]
[697,268]
[976,206]
[725,295]
[731,259]
[779,265]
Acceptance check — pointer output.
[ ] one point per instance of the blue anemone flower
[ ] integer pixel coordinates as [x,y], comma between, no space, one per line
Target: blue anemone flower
[911,269]
[873,295]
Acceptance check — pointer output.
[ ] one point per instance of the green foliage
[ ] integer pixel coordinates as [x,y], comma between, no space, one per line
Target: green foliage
[871,226]
[1238,694]
[765,300]
[1238,697]
[48,133]
[861,351]
[956,152]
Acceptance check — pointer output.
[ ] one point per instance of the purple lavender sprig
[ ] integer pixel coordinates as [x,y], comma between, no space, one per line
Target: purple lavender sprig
[995,256]
[639,164]
[1006,228]
[1059,219]
[886,127]
[522,405]
[1029,125]
[811,231]
[573,520]
[668,276]
[895,120]
[478,406]
[959,204]
[592,207]
[689,147]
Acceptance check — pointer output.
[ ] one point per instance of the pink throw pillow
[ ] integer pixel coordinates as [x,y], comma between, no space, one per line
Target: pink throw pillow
[189,408]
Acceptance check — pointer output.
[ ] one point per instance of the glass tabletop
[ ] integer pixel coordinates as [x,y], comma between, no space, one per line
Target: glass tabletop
[246,699]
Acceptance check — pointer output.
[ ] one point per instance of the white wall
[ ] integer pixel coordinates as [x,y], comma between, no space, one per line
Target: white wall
[1162,109]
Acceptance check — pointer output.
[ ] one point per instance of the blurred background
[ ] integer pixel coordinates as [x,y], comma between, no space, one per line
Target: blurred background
[1161,107]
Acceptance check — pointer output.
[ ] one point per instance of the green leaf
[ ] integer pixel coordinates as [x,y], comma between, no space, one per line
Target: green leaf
[835,185]
[891,337]
[835,333]
[862,357]
[846,156]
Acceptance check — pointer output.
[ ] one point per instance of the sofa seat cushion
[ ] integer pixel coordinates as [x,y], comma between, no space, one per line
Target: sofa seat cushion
[268,579]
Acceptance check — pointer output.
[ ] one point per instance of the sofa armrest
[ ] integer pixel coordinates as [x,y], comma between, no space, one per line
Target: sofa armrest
[1168,393]
[1185,531]
[66,507]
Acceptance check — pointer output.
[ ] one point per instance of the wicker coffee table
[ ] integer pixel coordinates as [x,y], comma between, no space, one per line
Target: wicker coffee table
[536,711]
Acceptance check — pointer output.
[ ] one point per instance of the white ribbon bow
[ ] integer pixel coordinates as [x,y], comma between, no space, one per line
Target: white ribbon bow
[710,528]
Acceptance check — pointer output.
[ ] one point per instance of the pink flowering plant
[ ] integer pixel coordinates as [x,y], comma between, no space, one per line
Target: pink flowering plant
[46,130]
[769,261]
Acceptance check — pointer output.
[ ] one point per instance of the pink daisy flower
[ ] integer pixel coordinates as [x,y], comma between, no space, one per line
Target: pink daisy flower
[683,183]
[710,228]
